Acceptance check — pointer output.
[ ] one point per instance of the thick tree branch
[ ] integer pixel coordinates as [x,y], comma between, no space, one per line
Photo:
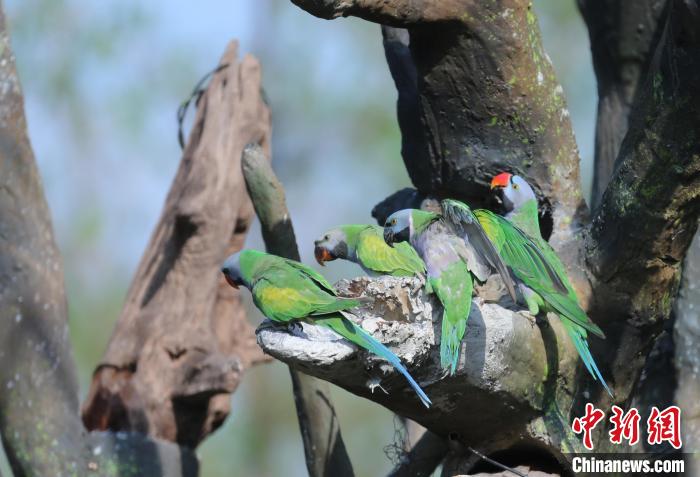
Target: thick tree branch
[511,373]
[650,211]
[485,96]
[623,35]
[320,430]
[182,340]
[398,13]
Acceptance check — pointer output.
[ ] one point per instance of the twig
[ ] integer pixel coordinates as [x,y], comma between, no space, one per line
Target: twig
[423,458]
[493,462]
[323,443]
[197,93]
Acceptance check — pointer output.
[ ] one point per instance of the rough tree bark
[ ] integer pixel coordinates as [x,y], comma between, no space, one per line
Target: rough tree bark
[320,430]
[623,36]
[182,340]
[477,94]
[39,421]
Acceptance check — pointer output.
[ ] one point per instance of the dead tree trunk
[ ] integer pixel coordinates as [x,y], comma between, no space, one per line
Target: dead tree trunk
[477,94]
[182,340]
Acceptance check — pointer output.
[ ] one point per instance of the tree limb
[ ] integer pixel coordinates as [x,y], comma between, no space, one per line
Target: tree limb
[320,430]
[650,211]
[182,340]
[484,99]
[399,13]
[623,37]
[509,369]
[687,354]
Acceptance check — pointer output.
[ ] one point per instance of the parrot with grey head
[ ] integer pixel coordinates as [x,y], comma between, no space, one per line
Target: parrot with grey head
[364,245]
[287,291]
[542,276]
[454,258]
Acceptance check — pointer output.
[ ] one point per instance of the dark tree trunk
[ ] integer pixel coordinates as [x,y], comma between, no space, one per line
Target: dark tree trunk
[623,37]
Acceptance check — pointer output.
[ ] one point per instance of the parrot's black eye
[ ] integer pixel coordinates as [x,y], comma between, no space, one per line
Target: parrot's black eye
[326,237]
[515,186]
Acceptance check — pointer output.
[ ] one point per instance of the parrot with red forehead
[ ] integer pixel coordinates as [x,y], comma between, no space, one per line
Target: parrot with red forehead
[519,201]
[288,291]
[541,275]
[364,244]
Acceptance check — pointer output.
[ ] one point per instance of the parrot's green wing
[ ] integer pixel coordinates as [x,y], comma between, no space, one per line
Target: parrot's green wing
[311,274]
[374,254]
[286,293]
[467,226]
[538,267]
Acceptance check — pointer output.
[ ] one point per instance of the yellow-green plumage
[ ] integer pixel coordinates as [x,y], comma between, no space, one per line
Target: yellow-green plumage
[537,266]
[286,290]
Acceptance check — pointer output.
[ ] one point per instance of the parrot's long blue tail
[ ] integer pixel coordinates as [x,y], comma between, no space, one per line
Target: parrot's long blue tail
[353,333]
[450,343]
[582,347]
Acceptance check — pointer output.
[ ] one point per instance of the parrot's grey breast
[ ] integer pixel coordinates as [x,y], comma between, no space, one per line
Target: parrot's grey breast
[436,247]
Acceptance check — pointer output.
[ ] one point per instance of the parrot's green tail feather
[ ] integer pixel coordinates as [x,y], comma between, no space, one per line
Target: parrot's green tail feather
[450,343]
[582,347]
[351,332]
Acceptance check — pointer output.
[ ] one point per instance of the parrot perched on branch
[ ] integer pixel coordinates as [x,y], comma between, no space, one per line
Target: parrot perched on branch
[286,291]
[364,245]
[454,257]
[543,280]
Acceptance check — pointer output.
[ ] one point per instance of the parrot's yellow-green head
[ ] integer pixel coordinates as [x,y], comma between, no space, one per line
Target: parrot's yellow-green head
[397,227]
[515,191]
[332,245]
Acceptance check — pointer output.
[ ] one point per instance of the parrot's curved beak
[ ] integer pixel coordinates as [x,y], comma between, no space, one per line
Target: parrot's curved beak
[389,237]
[322,255]
[501,180]
[230,281]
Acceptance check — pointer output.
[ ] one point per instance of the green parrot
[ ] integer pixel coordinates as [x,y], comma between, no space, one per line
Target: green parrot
[454,258]
[364,245]
[544,283]
[287,291]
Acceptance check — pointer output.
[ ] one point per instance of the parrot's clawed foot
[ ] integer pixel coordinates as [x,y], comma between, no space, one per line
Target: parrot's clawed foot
[272,325]
[528,316]
[416,287]
[295,328]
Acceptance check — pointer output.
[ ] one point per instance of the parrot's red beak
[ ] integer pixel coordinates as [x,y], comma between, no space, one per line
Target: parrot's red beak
[501,180]
[230,281]
[322,255]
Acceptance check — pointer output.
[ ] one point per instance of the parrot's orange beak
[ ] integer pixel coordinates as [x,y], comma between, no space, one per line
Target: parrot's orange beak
[230,281]
[501,180]
[322,255]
